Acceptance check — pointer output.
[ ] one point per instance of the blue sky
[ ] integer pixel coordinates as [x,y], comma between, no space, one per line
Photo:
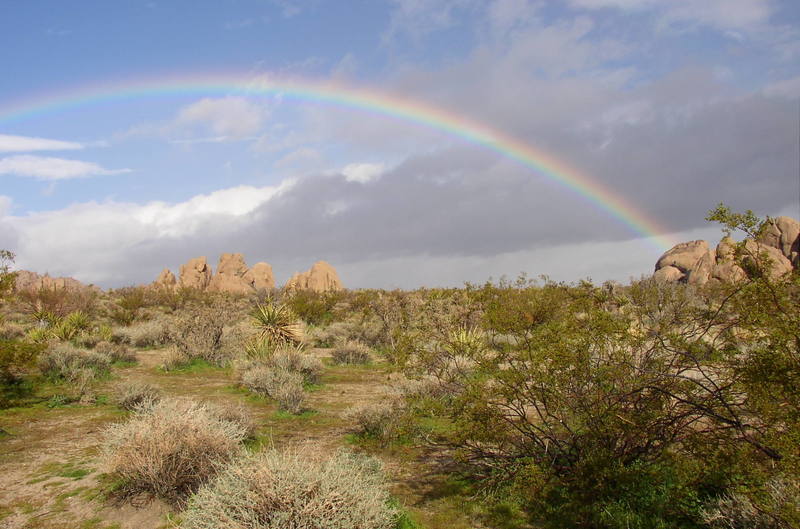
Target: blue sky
[675,106]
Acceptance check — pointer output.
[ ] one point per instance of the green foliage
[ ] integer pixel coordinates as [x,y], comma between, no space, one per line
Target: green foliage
[7,277]
[16,357]
[315,308]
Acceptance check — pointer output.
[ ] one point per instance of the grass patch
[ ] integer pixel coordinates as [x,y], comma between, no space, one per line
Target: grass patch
[63,470]
[195,365]
[306,414]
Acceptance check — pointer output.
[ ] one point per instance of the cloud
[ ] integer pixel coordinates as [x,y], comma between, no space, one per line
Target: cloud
[46,168]
[230,116]
[363,172]
[10,143]
[417,18]
[128,242]
[719,14]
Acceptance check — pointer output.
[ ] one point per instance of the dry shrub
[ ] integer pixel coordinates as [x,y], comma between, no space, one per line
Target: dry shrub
[199,335]
[237,414]
[174,359]
[367,331]
[351,352]
[293,359]
[737,511]
[378,420]
[151,333]
[273,490]
[65,362]
[10,330]
[116,352]
[133,395]
[284,386]
[169,448]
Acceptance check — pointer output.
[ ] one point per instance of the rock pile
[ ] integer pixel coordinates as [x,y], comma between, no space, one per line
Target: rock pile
[322,277]
[234,277]
[695,263]
[32,281]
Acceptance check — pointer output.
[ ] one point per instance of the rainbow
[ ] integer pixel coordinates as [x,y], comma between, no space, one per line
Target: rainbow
[369,100]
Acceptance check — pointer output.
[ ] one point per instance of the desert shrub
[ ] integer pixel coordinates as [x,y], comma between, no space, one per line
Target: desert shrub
[360,327]
[199,335]
[134,394]
[286,387]
[10,330]
[295,360]
[148,333]
[168,449]
[277,323]
[70,326]
[57,302]
[174,359]
[351,352]
[273,490]
[116,352]
[778,509]
[67,363]
[236,414]
[16,357]
[383,420]
[315,308]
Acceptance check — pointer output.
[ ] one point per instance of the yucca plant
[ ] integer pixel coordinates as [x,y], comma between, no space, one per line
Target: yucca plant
[45,318]
[466,341]
[39,335]
[277,324]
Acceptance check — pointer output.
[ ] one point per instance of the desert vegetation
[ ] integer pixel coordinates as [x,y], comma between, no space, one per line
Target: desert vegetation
[510,404]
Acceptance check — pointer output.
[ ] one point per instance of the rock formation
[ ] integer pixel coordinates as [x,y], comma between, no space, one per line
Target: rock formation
[195,274]
[322,277]
[166,280]
[693,262]
[30,281]
[262,276]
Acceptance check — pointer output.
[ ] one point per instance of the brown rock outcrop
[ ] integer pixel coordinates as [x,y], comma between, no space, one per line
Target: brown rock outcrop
[262,276]
[195,274]
[26,280]
[775,262]
[783,233]
[322,277]
[166,280]
[692,259]
[692,262]
[233,276]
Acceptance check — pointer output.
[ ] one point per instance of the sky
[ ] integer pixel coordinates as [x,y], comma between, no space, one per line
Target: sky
[128,143]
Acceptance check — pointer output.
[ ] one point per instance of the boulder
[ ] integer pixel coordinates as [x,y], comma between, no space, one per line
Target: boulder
[775,262]
[233,276]
[668,274]
[166,280]
[726,270]
[322,277]
[783,233]
[692,259]
[195,274]
[262,277]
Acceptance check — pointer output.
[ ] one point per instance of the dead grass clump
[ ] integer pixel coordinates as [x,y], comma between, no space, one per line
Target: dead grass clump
[236,414]
[273,490]
[170,448]
[737,511]
[133,395]
[365,330]
[351,352]
[286,387]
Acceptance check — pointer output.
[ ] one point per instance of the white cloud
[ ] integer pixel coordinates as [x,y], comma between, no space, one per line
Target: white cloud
[113,233]
[46,168]
[788,88]
[363,172]
[10,143]
[230,116]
